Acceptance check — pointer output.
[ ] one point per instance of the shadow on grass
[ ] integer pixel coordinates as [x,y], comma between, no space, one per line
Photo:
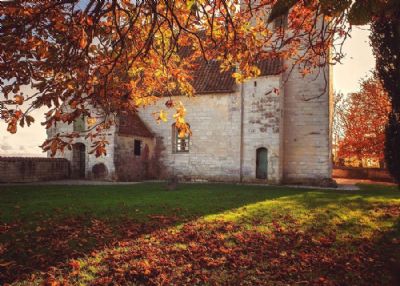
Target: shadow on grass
[46,226]
[228,253]
[389,247]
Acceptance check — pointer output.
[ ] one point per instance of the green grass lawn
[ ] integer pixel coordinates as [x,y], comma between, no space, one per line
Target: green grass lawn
[199,234]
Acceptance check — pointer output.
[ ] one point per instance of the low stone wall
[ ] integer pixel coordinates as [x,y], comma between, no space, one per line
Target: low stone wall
[362,173]
[23,170]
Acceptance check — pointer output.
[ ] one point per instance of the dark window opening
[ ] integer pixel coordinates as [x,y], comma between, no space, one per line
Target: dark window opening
[138,148]
[180,144]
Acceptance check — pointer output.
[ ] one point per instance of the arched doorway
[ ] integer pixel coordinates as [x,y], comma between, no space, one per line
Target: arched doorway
[262,164]
[78,161]
[99,171]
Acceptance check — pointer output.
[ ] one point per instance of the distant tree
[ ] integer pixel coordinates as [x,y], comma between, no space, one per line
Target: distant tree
[339,124]
[365,122]
[340,111]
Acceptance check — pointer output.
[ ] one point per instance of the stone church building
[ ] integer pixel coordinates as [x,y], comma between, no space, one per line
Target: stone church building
[275,128]
[271,129]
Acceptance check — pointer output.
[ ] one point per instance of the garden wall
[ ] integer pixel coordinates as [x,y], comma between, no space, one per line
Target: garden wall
[24,170]
[362,173]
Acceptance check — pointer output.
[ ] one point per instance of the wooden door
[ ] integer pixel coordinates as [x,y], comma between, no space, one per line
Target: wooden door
[262,164]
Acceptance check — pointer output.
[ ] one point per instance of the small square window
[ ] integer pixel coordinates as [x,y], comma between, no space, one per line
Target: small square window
[182,144]
[138,148]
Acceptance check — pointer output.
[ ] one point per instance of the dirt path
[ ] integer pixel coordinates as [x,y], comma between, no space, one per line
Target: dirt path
[346,182]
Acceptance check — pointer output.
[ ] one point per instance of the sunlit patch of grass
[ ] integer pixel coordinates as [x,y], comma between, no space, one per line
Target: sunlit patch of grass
[346,214]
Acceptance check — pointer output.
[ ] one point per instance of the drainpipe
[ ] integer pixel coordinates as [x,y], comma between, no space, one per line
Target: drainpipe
[241,130]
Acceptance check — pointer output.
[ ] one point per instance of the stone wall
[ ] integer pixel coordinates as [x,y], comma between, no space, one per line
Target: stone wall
[90,159]
[19,169]
[362,173]
[307,128]
[131,167]
[215,145]
[262,126]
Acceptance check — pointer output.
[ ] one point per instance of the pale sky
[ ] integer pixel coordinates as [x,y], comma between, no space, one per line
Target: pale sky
[357,64]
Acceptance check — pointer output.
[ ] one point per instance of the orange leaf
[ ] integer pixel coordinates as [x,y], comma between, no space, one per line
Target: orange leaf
[12,127]
[83,42]
[19,99]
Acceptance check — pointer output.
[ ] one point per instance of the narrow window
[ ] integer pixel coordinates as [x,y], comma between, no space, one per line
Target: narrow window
[138,148]
[180,144]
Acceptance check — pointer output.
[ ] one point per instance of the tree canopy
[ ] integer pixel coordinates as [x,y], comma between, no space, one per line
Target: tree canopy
[120,55]
[366,117]
[358,12]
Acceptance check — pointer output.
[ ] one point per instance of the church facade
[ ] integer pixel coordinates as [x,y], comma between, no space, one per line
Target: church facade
[275,128]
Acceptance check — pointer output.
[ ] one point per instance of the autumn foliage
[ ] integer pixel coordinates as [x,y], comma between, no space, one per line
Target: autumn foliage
[198,234]
[120,55]
[199,253]
[365,121]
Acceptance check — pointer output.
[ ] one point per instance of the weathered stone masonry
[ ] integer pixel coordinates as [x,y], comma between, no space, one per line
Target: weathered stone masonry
[272,129]
[307,128]
[287,118]
[216,141]
[20,170]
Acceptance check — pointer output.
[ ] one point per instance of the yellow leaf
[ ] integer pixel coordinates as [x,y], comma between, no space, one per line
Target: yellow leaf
[163,116]
[238,77]
[91,121]
[182,133]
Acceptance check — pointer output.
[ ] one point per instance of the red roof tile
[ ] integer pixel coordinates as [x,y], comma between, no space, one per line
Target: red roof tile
[207,78]
[131,124]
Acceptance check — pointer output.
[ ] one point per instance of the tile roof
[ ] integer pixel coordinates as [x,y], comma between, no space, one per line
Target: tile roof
[208,78]
[131,124]
[270,67]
